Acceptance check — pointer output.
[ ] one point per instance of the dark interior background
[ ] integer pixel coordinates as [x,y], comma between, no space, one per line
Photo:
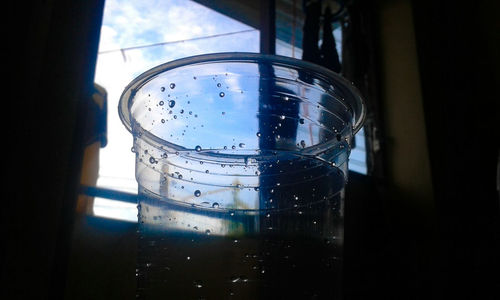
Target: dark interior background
[402,241]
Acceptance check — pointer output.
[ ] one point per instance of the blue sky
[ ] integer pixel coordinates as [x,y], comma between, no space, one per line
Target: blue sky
[137,23]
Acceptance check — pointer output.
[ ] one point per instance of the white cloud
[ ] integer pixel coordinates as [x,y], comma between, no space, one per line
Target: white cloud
[136,23]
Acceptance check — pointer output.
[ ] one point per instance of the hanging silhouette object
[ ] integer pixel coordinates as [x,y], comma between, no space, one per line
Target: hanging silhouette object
[328,56]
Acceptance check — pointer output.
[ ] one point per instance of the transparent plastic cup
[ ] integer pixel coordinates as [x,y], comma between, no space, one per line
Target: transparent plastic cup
[241,161]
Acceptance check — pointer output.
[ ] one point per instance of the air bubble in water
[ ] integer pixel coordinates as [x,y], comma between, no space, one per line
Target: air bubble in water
[207,232]
[197,193]
[301,121]
[215,205]
[171,103]
[242,145]
[233,147]
[198,149]
[282,117]
[172,85]
[218,84]
[303,143]
[258,134]
[161,103]
[162,89]
[221,94]
[152,160]
[163,120]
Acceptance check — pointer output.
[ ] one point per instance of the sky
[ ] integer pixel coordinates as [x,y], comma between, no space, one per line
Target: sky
[137,23]
[134,23]
[140,23]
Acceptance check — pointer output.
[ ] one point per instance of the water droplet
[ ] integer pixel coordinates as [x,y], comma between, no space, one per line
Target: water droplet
[221,94]
[242,145]
[215,205]
[301,121]
[197,193]
[219,85]
[172,86]
[171,103]
[198,149]
[162,89]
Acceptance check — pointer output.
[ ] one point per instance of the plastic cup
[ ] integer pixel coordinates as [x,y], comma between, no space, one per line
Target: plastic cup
[238,156]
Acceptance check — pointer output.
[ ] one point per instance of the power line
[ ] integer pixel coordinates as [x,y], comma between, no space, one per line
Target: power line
[175,42]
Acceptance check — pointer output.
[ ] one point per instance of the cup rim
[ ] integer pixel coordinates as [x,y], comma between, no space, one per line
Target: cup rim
[356,102]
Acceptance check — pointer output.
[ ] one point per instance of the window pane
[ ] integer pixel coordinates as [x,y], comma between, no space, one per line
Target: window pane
[138,35]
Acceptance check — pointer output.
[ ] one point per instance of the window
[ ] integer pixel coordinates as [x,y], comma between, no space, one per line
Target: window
[136,36]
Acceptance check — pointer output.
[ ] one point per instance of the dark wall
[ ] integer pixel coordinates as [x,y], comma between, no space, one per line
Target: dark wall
[52,49]
[458,50]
